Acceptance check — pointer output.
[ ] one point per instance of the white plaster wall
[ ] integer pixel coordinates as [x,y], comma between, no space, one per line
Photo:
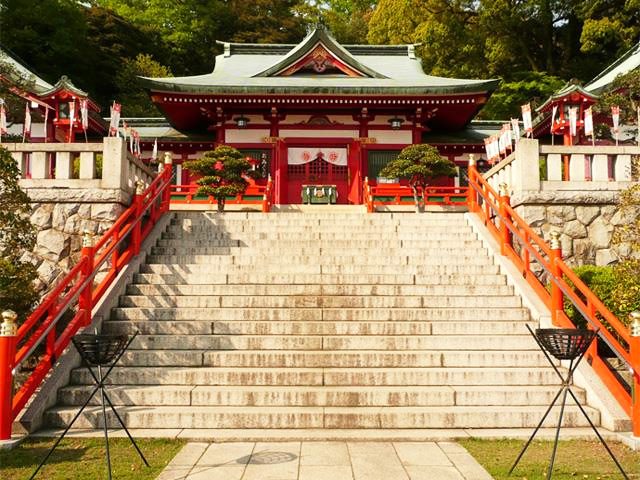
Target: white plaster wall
[291,133]
[392,136]
[245,136]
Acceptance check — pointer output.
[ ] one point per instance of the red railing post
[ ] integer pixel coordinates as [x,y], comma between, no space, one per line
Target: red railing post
[8,341]
[137,229]
[471,194]
[503,201]
[634,351]
[168,171]
[557,299]
[85,301]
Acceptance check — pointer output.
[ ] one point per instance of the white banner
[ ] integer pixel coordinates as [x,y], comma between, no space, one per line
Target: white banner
[515,124]
[84,114]
[573,121]
[115,119]
[3,118]
[300,156]
[588,122]
[526,119]
[553,117]
[26,128]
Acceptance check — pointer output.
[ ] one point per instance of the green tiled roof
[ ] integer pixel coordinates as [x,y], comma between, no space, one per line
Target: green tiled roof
[241,69]
[626,63]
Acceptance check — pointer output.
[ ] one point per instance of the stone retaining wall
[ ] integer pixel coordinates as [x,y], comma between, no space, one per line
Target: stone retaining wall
[60,227]
[586,223]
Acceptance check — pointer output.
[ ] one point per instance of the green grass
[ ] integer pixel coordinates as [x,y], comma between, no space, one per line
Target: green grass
[77,459]
[576,459]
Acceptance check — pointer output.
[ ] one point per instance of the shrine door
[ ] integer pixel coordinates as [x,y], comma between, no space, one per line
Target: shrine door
[316,167]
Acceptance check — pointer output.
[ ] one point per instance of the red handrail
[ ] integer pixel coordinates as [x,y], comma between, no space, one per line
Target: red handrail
[76,293]
[445,195]
[186,194]
[522,245]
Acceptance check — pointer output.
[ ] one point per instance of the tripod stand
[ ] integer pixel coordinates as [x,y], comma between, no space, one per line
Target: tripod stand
[572,345]
[99,351]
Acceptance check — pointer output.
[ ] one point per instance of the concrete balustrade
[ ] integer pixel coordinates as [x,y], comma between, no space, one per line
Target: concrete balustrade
[47,167]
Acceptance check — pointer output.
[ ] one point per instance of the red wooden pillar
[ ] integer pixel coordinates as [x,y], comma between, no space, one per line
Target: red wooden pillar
[8,341]
[505,234]
[354,168]
[281,165]
[85,301]
[557,300]
[471,193]
[634,351]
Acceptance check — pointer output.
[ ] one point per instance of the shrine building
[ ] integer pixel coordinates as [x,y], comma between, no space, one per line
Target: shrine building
[316,113]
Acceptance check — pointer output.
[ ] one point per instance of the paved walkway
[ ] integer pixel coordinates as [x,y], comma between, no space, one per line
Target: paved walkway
[324,461]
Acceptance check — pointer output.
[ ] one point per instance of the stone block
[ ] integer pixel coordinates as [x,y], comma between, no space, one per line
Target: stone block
[52,244]
[48,272]
[104,212]
[575,229]
[41,216]
[534,215]
[560,214]
[584,252]
[606,256]
[586,214]
[600,232]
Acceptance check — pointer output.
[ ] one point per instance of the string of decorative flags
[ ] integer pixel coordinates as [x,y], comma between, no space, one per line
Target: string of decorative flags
[504,142]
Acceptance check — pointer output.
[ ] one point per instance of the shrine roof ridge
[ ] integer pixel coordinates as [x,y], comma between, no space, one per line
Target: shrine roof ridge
[284,48]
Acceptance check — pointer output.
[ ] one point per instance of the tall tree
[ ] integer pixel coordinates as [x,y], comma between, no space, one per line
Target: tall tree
[134,99]
[17,235]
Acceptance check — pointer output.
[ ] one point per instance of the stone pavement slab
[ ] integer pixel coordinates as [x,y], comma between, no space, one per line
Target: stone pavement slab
[333,460]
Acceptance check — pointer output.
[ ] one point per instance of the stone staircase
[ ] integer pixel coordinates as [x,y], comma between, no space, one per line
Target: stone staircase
[279,325]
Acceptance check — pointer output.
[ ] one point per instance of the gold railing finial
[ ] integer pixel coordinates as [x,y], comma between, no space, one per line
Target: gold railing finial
[8,328]
[472,159]
[168,159]
[139,187]
[634,327]
[555,240]
[503,189]
[87,238]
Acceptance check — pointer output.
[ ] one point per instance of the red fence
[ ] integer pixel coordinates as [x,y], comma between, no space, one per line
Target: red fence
[523,246]
[396,194]
[75,296]
[254,195]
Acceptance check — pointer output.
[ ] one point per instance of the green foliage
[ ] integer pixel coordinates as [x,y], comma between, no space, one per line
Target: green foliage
[17,235]
[223,173]
[347,20]
[618,287]
[419,164]
[75,173]
[625,93]
[534,87]
[134,99]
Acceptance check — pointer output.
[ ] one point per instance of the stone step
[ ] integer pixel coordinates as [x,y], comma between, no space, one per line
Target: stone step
[488,280]
[399,234]
[335,342]
[310,222]
[322,314]
[337,254]
[309,301]
[320,417]
[345,396]
[482,267]
[319,289]
[167,327]
[407,377]
[338,358]
[239,261]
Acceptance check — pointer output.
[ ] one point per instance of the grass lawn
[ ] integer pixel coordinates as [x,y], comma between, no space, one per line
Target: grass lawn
[85,458]
[576,459]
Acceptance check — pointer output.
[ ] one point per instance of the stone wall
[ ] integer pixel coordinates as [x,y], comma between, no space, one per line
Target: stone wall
[585,220]
[60,227]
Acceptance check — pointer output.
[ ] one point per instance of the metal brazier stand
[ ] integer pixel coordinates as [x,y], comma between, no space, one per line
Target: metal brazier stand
[99,351]
[564,344]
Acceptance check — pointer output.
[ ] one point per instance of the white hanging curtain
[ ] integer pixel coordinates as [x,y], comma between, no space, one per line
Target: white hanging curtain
[300,156]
